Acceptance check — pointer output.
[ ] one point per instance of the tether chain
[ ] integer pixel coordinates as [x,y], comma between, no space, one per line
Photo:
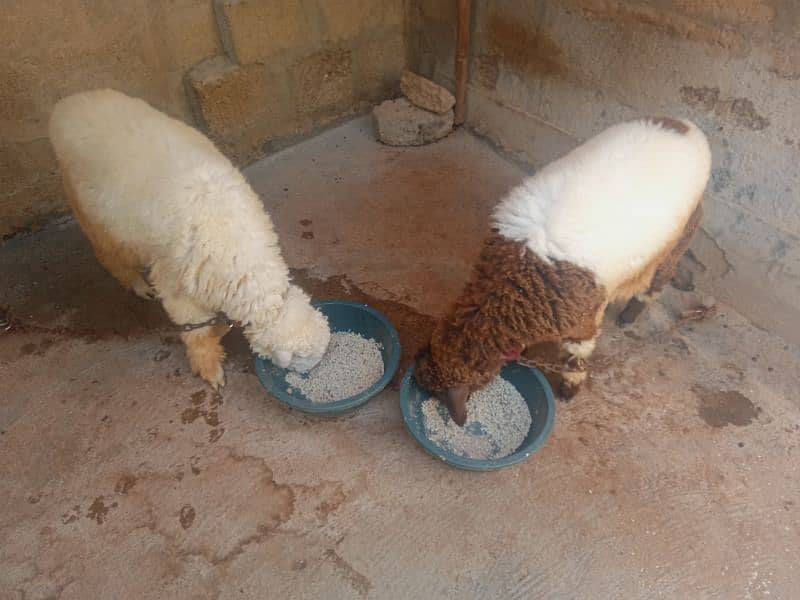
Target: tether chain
[220,319]
[8,323]
[573,363]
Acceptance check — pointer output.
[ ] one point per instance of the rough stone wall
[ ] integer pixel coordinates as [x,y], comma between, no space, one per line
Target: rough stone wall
[292,67]
[254,74]
[52,49]
[548,73]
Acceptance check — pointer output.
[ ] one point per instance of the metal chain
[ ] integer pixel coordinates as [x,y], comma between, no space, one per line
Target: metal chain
[8,323]
[571,364]
[220,319]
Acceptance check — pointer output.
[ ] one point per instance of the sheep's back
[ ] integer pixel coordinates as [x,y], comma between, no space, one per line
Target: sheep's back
[614,203]
[140,173]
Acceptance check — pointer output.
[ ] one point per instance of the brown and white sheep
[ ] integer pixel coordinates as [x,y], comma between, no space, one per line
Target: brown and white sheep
[607,222]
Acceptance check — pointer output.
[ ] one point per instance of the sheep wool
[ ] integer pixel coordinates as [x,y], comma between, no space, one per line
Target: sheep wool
[608,221]
[614,203]
[169,216]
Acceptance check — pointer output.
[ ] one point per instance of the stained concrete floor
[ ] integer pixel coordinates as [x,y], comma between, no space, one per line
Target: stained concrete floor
[675,474]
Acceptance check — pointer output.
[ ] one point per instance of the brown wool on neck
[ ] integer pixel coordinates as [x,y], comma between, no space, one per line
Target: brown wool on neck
[512,300]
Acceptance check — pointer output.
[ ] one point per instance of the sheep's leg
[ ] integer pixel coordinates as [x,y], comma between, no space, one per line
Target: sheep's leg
[206,353]
[664,273]
[115,262]
[118,261]
[203,344]
[573,376]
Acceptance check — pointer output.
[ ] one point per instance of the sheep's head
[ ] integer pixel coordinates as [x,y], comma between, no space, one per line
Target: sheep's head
[298,338]
[485,328]
[454,365]
[433,376]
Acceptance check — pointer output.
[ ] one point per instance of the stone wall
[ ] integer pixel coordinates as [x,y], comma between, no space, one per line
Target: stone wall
[289,68]
[52,49]
[254,74]
[548,73]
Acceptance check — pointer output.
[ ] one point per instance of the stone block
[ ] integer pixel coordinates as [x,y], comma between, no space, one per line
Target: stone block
[31,184]
[190,32]
[378,66]
[400,123]
[345,19]
[426,94]
[242,108]
[253,30]
[322,83]
[441,10]
[226,96]
[260,137]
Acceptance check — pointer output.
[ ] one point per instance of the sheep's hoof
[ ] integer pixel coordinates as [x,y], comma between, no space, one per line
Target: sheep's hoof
[567,391]
[632,310]
[209,368]
[217,380]
[141,289]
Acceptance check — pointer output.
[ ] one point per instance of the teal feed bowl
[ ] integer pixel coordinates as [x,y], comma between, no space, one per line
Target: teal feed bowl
[343,316]
[530,383]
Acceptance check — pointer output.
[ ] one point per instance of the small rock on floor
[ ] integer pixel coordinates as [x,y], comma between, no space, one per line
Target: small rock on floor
[426,94]
[400,123]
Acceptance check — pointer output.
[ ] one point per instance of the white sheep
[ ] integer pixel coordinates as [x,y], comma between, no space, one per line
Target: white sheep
[170,217]
[607,222]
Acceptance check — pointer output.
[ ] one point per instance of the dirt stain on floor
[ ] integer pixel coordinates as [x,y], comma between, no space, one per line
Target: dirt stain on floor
[720,408]
[186,516]
[68,294]
[208,413]
[98,511]
[360,583]
[190,415]
[125,484]
[37,349]
[162,354]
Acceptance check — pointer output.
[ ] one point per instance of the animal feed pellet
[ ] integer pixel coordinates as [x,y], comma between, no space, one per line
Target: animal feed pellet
[498,420]
[351,364]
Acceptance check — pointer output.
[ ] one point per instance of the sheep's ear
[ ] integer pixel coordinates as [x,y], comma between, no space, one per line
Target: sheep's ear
[456,399]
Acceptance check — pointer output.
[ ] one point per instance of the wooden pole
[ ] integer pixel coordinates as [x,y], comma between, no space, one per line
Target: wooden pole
[462,60]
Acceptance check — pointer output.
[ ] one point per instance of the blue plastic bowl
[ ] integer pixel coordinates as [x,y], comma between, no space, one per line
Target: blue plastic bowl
[343,315]
[529,382]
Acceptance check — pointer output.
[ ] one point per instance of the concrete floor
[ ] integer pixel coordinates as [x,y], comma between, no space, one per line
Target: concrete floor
[675,474]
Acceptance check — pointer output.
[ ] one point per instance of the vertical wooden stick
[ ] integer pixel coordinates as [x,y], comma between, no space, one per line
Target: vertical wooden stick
[462,60]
